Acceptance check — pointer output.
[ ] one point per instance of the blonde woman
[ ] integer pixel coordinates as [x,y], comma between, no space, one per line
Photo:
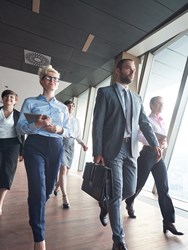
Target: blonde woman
[43,147]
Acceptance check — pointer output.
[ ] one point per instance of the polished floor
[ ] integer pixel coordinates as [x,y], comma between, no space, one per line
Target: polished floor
[78,228]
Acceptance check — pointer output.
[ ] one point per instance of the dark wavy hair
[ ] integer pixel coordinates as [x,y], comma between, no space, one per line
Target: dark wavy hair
[8,92]
[69,102]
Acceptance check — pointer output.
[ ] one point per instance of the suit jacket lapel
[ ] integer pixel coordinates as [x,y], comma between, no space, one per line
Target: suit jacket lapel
[119,97]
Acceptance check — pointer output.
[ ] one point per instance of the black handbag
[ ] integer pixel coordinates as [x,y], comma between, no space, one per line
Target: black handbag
[97,181]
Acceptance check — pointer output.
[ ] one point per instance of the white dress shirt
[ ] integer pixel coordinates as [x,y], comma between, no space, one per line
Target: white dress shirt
[75,129]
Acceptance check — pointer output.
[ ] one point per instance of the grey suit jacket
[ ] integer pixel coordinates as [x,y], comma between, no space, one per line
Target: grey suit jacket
[109,123]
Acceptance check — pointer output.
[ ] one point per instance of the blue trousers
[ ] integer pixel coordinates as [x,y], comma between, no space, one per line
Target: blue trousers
[42,156]
[146,164]
[124,170]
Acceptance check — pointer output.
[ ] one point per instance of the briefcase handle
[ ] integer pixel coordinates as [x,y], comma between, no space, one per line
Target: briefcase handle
[96,165]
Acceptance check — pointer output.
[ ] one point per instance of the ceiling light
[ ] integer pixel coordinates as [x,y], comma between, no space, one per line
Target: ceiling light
[88,43]
[36,6]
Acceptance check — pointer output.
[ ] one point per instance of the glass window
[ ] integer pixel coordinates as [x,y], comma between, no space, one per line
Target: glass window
[178,167]
[89,154]
[81,114]
[165,79]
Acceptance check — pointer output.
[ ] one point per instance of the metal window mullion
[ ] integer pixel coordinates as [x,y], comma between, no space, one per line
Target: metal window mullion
[145,73]
[89,112]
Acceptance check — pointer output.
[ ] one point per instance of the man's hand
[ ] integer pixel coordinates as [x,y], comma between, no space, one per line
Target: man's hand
[158,152]
[20,158]
[99,160]
[163,143]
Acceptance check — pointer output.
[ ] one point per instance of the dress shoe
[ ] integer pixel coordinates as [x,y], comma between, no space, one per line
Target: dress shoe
[56,190]
[119,246]
[170,227]
[130,211]
[66,203]
[104,216]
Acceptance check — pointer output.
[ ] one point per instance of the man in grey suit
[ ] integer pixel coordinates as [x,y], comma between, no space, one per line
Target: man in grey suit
[117,115]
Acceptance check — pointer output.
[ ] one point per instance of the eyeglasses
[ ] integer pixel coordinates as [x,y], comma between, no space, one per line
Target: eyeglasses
[51,78]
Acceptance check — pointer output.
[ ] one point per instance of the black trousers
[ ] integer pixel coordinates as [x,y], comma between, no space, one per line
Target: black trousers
[146,164]
[9,152]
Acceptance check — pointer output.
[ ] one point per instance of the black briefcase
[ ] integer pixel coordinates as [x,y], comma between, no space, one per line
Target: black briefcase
[97,181]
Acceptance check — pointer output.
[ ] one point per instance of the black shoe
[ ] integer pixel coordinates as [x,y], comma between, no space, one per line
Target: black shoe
[56,190]
[104,217]
[130,211]
[170,227]
[66,203]
[119,246]
[66,206]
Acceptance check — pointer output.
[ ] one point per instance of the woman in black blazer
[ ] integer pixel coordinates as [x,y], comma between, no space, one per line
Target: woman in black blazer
[10,143]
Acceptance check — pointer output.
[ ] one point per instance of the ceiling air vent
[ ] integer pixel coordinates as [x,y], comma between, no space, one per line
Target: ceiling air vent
[36,59]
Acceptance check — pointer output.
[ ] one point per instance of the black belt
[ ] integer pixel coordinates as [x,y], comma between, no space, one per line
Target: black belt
[127,139]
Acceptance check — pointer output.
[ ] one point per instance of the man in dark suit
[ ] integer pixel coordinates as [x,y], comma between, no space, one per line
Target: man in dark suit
[117,115]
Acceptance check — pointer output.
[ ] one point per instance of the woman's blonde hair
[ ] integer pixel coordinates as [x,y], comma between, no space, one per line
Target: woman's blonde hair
[44,71]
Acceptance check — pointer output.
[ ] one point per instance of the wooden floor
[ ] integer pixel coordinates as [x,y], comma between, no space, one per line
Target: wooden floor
[79,227]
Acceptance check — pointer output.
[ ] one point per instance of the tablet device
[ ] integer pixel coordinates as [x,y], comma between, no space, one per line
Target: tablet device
[160,136]
[31,117]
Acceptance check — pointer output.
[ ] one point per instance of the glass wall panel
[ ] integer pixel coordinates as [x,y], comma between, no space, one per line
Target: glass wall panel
[89,157]
[178,167]
[165,79]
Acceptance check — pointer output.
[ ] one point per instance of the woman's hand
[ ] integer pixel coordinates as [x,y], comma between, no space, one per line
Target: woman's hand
[85,148]
[54,129]
[43,121]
